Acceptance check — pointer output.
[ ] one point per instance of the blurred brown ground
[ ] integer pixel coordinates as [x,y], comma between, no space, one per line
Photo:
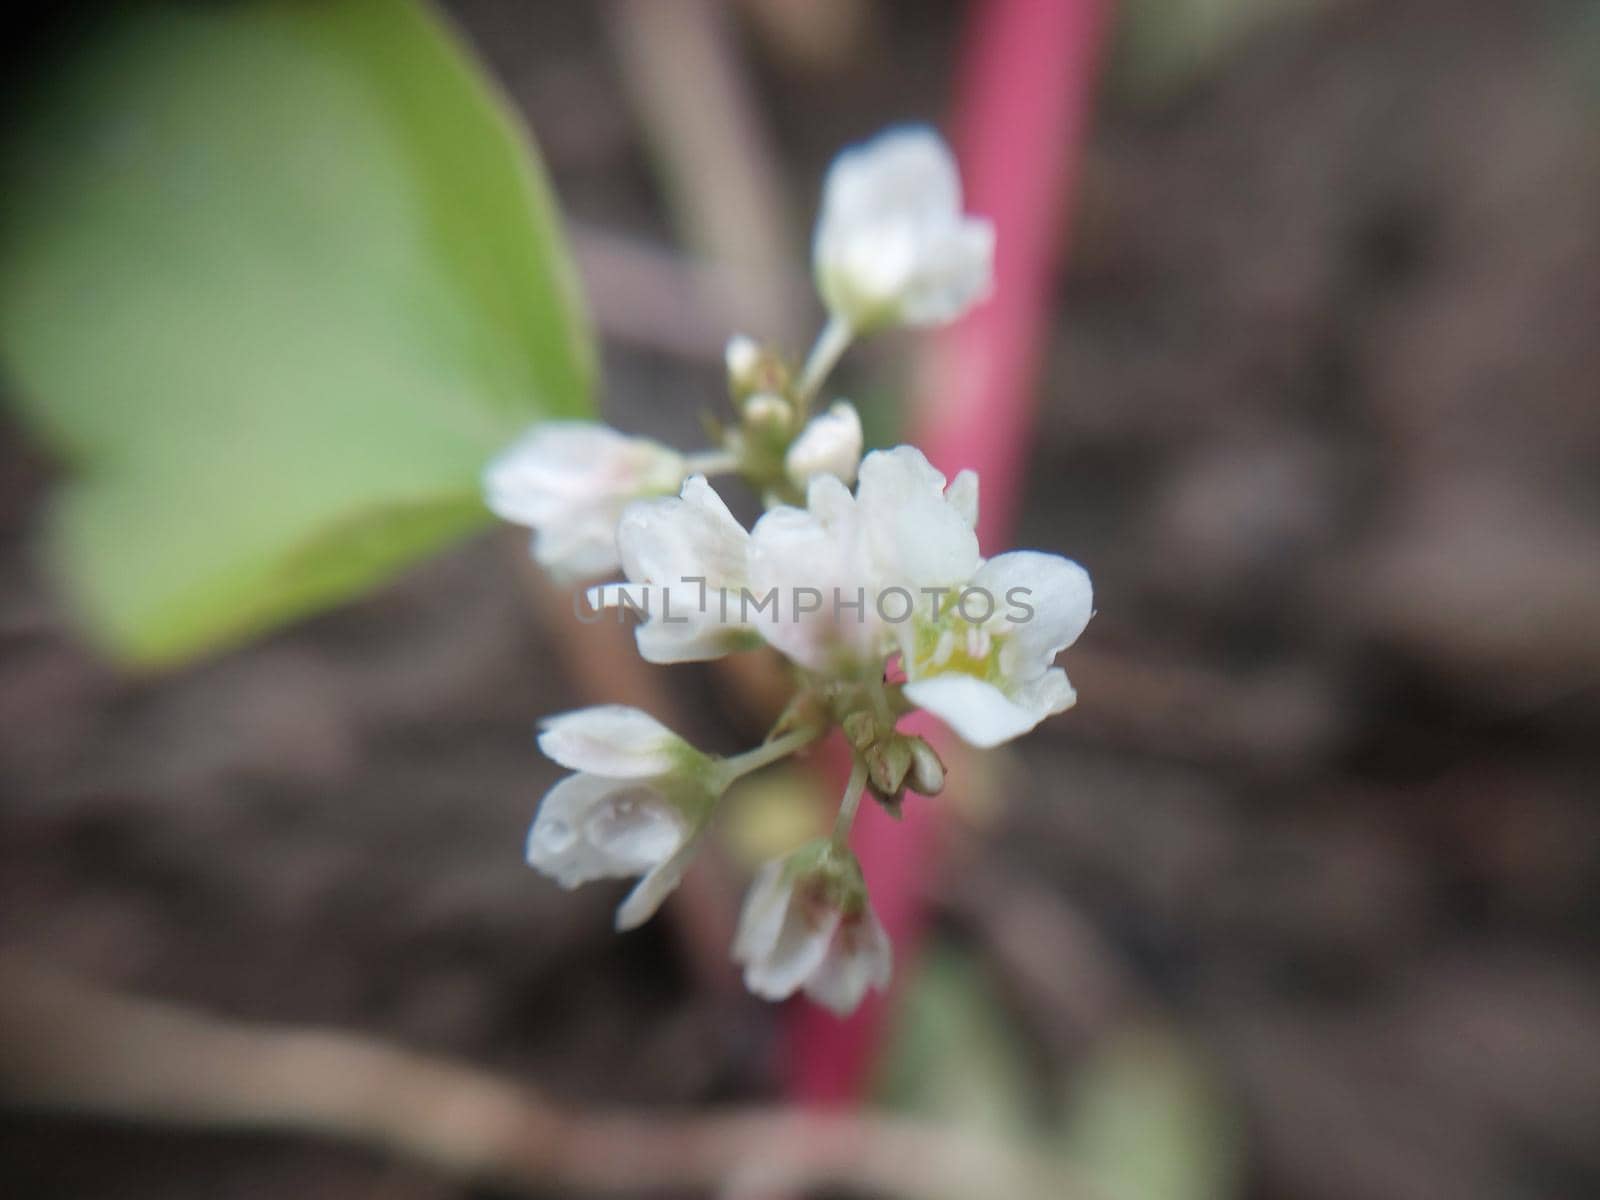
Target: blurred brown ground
[1321,415]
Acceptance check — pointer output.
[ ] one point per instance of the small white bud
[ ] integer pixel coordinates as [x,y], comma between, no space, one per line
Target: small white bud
[768,410]
[891,243]
[830,444]
[743,358]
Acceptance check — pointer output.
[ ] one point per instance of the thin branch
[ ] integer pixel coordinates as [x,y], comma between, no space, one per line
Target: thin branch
[648,295]
[682,65]
[73,1047]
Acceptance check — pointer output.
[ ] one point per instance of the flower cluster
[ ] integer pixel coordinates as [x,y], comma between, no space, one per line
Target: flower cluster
[864,572]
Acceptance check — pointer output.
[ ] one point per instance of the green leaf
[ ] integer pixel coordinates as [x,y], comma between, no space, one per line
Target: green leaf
[276,279]
[1148,1121]
[953,1054]
[1164,47]
[1144,1118]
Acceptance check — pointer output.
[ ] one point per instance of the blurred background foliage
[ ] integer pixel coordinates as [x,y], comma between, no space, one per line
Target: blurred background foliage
[278,278]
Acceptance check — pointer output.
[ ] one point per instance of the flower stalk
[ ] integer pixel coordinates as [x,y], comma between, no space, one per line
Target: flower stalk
[771,751]
[829,348]
[850,803]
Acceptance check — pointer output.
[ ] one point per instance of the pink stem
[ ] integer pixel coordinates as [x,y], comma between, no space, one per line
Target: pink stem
[1021,119]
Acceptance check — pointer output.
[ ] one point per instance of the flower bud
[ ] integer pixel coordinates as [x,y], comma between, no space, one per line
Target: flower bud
[860,729]
[927,769]
[887,764]
[743,358]
[891,244]
[830,444]
[807,924]
[767,410]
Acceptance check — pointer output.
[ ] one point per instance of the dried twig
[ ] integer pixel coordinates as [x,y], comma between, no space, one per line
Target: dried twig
[661,299]
[69,1046]
[697,107]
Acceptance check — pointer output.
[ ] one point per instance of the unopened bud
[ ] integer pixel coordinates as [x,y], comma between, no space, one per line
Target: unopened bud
[860,729]
[927,770]
[769,411]
[743,358]
[829,445]
[887,764]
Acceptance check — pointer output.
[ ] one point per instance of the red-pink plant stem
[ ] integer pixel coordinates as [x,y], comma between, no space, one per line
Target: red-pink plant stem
[1021,118]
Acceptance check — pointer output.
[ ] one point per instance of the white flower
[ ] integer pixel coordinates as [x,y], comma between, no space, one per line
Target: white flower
[891,243]
[810,570]
[807,924]
[638,802]
[984,665]
[978,644]
[685,559]
[830,444]
[895,566]
[569,481]
[845,570]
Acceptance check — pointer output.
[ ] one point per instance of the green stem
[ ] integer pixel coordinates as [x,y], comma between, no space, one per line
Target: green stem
[832,342]
[880,704]
[850,803]
[740,765]
[712,462]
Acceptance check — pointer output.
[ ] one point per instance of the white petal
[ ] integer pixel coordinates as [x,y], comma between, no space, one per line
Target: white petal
[618,595]
[815,564]
[918,538]
[641,903]
[1047,695]
[905,174]
[691,553]
[569,481]
[761,918]
[583,550]
[830,444]
[527,481]
[962,495]
[590,827]
[697,642]
[677,539]
[860,957]
[556,842]
[802,944]
[636,828]
[957,270]
[782,938]
[1042,601]
[979,712]
[613,740]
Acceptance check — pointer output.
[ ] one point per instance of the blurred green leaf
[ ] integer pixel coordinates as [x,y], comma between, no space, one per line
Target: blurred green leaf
[953,1054]
[1165,45]
[275,280]
[1148,1122]
[1144,1118]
